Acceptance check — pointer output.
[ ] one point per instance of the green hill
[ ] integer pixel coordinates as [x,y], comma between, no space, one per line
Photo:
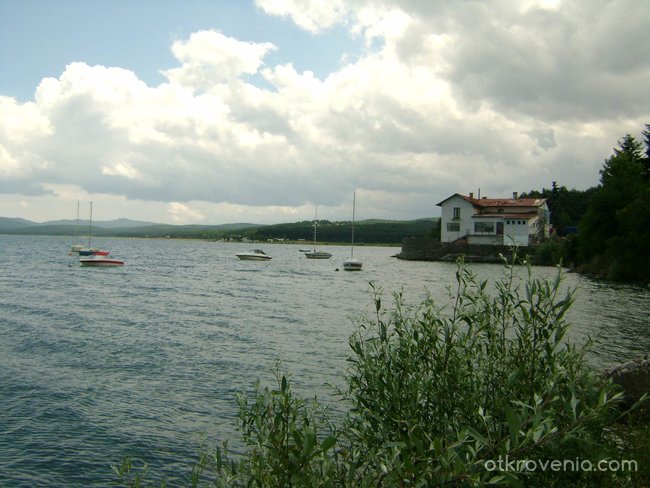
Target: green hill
[373,231]
[366,231]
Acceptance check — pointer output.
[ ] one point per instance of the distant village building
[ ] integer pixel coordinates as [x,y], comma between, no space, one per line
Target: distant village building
[494,221]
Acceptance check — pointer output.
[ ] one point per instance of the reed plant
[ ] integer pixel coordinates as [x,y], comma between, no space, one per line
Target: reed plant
[439,395]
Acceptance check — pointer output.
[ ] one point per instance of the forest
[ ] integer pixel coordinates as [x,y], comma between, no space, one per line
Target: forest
[605,230]
[365,232]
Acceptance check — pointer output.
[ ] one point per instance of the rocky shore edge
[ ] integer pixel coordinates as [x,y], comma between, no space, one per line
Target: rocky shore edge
[634,379]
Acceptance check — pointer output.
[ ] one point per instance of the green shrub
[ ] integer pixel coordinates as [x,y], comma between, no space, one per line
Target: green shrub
[438,395]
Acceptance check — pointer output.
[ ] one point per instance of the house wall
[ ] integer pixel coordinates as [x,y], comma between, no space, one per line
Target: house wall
[516,232]
[466,225]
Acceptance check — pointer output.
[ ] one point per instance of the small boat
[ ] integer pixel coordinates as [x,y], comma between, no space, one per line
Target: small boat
[100,259]
[317,254]
[253,255]
[88,251]
[75,248]
[314,254]
[352,264]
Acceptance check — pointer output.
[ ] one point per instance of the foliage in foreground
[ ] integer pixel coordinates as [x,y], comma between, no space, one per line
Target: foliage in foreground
[438,396]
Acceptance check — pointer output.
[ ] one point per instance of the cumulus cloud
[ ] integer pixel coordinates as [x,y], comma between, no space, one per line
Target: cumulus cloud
[209,57]
[445,97]
[312,15]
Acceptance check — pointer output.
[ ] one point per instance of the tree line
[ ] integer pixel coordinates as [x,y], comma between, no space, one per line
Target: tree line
[605,230]
[365,232]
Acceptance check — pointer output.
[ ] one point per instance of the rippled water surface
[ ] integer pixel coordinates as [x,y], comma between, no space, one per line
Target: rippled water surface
[97,364]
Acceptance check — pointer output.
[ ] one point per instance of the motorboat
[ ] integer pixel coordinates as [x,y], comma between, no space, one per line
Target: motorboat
[253,255]
[100,259]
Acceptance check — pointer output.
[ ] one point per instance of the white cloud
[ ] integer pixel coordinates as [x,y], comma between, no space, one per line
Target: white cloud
[122,169]
[209,57]
[449,96]
[311,15]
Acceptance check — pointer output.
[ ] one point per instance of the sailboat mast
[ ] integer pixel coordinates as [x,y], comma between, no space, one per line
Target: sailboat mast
[90,225]
[354,201]
[76,226]
[315,224]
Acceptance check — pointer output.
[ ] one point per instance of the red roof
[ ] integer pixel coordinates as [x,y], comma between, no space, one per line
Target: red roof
[504,202]
[500,202]
[525,216]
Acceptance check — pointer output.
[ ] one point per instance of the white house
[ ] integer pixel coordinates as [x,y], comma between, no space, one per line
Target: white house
[495,221]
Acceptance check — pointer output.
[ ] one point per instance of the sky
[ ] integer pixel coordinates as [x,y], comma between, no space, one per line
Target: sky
[223,111]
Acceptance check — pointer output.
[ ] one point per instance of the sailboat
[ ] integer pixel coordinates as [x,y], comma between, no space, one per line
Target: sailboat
[314,254]
[352,264]
[89,251]
[75,248]
[93,256]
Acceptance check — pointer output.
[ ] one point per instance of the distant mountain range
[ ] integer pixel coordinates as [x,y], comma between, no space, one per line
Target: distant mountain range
[368,231]
[106,224]
[105,227]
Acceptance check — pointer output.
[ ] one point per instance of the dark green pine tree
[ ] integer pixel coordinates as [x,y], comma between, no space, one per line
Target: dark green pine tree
[646,161]
[614,236]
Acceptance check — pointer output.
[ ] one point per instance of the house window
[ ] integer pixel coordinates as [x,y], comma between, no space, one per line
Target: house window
[484,227]
[456,213]
[453,227]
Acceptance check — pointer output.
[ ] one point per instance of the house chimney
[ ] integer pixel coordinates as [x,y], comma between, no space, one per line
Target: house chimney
[515,195]
[471,194]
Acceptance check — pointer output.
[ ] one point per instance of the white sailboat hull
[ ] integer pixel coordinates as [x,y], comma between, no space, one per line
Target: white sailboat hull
[317,255]
[352,264]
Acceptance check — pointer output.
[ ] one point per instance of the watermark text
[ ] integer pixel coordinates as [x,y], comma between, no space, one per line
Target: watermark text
[577,464]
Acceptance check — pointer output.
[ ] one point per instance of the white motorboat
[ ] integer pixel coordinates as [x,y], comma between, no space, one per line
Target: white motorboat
[253,255]
[352,264]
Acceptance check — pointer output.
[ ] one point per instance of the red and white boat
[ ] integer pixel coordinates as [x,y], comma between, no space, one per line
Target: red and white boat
[100,259]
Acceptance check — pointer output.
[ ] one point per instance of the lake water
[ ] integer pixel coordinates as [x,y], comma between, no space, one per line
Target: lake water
[97,364]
